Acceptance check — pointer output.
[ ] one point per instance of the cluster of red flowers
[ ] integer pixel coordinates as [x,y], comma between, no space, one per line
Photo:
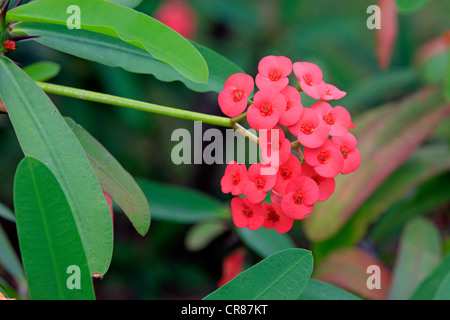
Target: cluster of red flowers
[328,148]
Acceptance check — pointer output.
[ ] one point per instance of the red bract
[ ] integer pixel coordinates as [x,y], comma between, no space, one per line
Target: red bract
[310,130]
[247,214]
[257,183]
[233,98]
[232,265]
[273,72]
[327,160]
[352,157]
[275,218]
[275,147]
[326,185]
[232,180]
[294,107]
[265,112]
[178,15]
[286,173]
[338,118]
[301,194]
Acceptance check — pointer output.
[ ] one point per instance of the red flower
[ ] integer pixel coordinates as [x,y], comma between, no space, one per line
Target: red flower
[257,184]
[338,118]
[9,45]
[275,218]
[327,160]
[265,112]
[275,147]
[232,180]
[247,214]
[232,265]
[273,72]
[326,185]
[310,130]
[286,173]
[178,15]
[309,76]
[233,98]
[301,194]
[352,157]
[294,107]
[329,92]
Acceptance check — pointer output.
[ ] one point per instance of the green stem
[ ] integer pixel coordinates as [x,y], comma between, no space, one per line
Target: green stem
[134,104]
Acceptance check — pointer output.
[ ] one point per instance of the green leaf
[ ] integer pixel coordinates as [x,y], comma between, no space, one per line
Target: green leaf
[48,237]
[265,242]
[318,290]
[128,3]
[115,180]
[429,288]
[123,23]
[444,289]
[282,276]
[410,6]
[447,79]
[42,71]
[6,213]
[418,254]
[201,234]
[428,197]
[405,126]
[181,204]
[44,135]
[9,260]
[116,53]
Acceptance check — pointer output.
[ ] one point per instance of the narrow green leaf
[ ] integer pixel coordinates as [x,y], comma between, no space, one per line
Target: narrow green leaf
[128,3]
[116,21]
[115,53]
[48,237]
[42,71]
[9,260]
[6,213]
[282,276]
[429,288]
[201,234]
[265,242]
[115,180]
[419,253]
[180,204]
[410,6]
[318,290]
[44,135]
[428,197]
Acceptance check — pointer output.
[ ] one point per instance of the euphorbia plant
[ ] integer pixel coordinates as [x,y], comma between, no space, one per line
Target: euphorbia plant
[60,186]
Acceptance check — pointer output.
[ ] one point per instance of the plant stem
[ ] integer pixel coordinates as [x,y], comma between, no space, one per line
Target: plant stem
[247,134]
[134,104]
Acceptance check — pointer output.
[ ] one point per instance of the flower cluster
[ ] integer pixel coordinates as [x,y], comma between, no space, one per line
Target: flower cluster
[323,144]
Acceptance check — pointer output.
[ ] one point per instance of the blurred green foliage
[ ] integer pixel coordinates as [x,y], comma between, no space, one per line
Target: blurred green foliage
[331,33]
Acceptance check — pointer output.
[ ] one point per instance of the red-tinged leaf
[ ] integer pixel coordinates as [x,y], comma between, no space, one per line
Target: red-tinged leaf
[348,269]
[110,205]
[387,137]
[387,34]
[2,107]
[232,265]
[433,48]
